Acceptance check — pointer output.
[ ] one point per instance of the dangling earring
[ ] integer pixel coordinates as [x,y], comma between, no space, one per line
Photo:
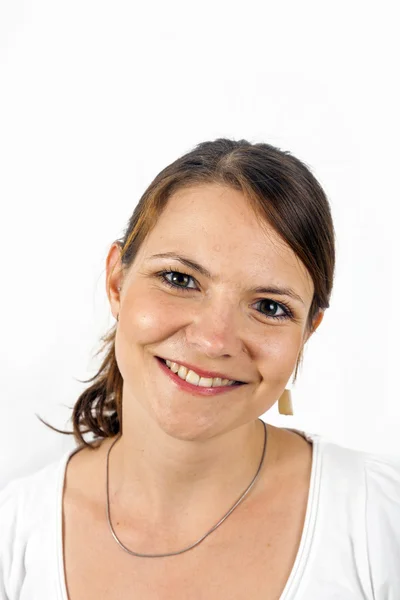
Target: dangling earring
[285,403]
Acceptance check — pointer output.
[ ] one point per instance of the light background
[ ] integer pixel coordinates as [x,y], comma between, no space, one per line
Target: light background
[96,97]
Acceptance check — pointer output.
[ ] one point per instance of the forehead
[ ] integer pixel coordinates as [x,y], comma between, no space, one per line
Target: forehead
[217,226]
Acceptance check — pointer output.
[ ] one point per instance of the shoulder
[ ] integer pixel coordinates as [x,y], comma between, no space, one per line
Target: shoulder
[378,474]
[9,508]
[28,506]
[365,487]
[24,498]
[30,489]
[382,519]
[383,475]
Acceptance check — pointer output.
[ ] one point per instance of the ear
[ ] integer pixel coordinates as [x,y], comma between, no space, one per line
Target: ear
[114,277]
[316,323]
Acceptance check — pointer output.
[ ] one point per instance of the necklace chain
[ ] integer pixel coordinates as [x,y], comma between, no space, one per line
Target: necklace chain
[242,497]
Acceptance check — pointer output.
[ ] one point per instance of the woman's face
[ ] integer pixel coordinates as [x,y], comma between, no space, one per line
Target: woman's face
[218,323]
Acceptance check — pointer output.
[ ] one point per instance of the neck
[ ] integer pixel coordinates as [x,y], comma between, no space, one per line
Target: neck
[164,478]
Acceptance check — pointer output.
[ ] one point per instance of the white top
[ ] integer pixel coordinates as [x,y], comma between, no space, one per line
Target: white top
[349,550]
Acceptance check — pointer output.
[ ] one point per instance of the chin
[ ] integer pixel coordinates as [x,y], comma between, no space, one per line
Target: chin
[188,427]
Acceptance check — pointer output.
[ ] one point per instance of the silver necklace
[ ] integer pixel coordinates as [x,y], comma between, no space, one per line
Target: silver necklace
[242,497]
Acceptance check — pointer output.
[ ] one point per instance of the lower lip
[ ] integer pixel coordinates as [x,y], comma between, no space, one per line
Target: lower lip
[195,389]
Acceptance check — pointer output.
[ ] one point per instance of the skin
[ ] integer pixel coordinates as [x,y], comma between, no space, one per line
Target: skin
[182,455]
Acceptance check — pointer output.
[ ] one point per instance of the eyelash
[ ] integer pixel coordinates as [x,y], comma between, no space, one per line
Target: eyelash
[161,275]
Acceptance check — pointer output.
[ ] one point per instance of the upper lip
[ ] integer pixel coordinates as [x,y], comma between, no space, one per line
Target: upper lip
[202,372]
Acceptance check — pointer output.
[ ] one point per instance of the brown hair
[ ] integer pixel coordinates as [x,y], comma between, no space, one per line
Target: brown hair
[282,191]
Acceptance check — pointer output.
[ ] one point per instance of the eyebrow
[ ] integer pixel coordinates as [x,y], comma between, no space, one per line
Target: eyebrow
[282,291]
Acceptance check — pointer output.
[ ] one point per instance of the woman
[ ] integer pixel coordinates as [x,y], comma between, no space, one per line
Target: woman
[224,273]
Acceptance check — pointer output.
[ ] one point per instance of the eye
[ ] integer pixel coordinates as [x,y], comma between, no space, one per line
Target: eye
[177,277]
[273,306]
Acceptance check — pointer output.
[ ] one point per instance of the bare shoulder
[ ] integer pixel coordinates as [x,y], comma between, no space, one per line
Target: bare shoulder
[294,455]
[84,477]
[291,443]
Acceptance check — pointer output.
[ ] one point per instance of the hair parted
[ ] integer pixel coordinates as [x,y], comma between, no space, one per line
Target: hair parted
[282,191]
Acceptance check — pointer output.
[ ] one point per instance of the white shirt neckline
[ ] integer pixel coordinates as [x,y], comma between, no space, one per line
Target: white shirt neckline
[306,537]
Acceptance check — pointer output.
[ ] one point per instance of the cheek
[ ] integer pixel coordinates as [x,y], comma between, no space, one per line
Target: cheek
[279,354]
[147,317]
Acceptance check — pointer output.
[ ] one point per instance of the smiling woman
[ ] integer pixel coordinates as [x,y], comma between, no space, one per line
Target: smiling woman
[223,274]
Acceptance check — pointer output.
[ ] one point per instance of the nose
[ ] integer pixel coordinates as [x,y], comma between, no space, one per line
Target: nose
[214,328]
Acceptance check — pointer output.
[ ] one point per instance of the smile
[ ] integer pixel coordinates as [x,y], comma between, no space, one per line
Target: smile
[195,379]
[190,381]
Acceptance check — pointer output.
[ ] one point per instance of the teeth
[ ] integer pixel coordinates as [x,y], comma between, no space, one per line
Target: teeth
[195,379]
[182,372]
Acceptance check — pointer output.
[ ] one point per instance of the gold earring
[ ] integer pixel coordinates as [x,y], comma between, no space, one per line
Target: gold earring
[285,403]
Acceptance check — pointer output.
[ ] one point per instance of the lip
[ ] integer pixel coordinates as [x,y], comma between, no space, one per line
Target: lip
[195,389]
[201,372]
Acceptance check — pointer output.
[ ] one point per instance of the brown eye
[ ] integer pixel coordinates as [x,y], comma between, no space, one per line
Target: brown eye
[177,280]
[272,306]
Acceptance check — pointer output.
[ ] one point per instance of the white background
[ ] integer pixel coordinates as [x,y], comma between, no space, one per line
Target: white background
[96,97]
